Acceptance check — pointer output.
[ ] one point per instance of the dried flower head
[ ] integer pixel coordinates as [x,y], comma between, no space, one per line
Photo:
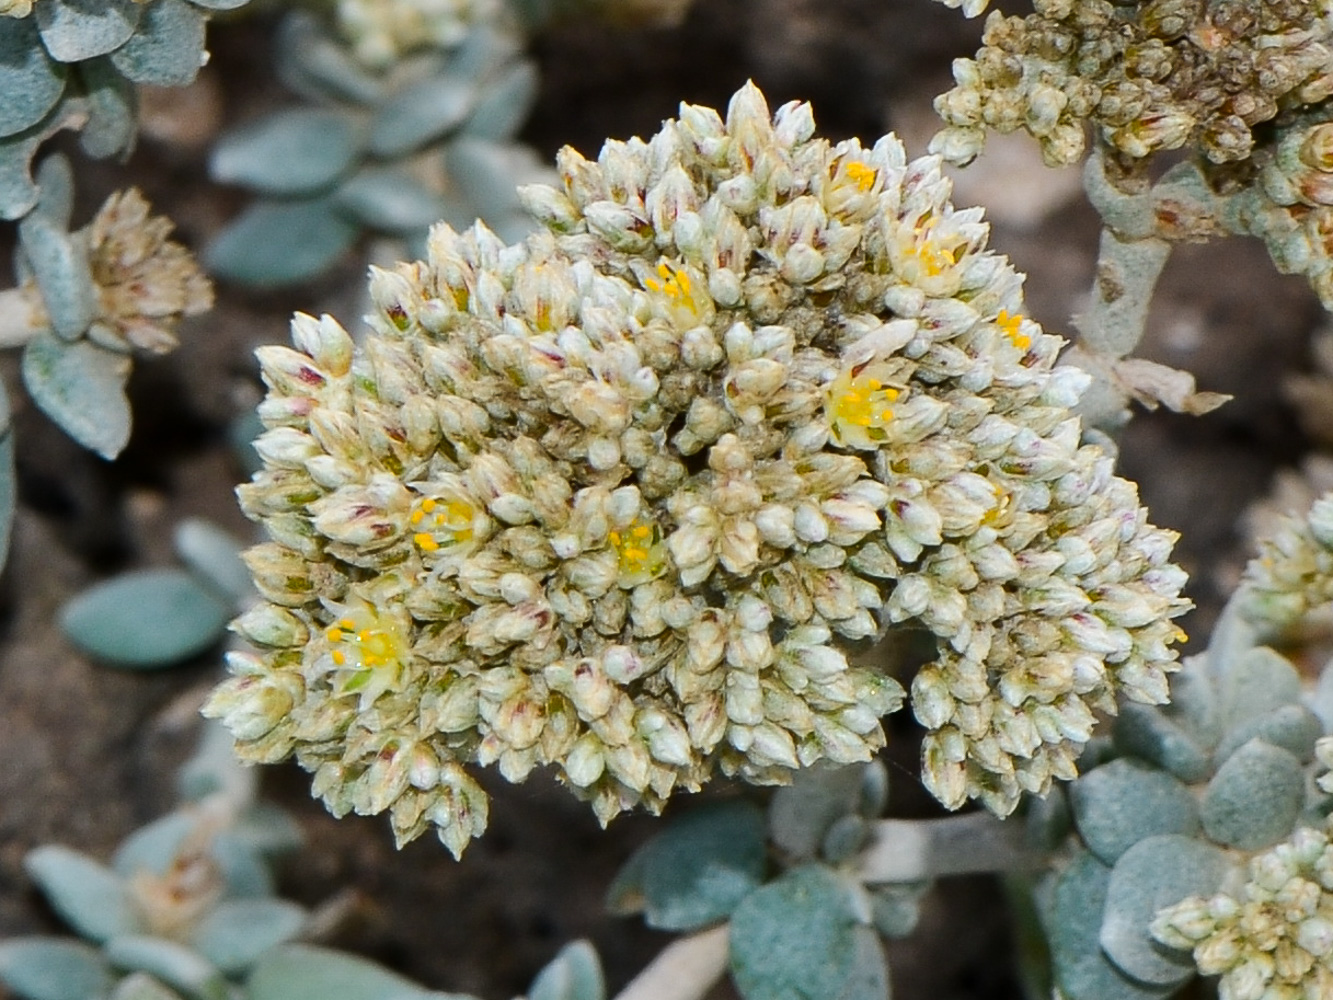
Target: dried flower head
[382,31]
[1272,941]
[622,498]
[1148,75]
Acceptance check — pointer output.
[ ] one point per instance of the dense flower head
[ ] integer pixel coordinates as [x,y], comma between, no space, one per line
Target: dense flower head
[1273,940]
[382,31]
[636,497]
[1293,572]
[1148,74]
[15,8]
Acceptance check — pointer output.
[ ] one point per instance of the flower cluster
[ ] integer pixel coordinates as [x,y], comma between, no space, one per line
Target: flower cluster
[1274,941]
[382,31]
[145,283]
[633,497]
[15,8]
[1293,573]
[1148,75]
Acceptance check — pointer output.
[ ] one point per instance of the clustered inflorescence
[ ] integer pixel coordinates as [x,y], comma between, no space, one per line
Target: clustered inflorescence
[1148,75]
[1274,939]
[381,31]
[623,499]
[1293,573]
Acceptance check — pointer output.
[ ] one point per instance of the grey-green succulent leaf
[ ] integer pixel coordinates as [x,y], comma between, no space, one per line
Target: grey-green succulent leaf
[297,151]
[168,48]
[1259,681]
[74,30]
[142,986]
[421,113]
[306,972]
[1293,728]
[18,193]
[55,177]
[1255,797]
[1155,873]
[179,966]
[113,110]
[487,175]
[64,275]
[1073,922]
[238,855]
[1123,802]
[30,81]
[390,200]
[504,104]
[896,909]
[82,388]
[236,932]
[272,244]
[1145,731]
[86,894]
[316,67]
[702,865]
[574,974]
[802,936]
[220,4]
[146,619]
[800,814]
[46,968]
[8,478]
[214,555]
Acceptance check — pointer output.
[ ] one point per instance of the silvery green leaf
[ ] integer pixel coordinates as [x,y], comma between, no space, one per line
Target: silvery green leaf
[704,863]
[74,30]
[45,968]
[31,81]
[1143,731]
[1153,874]
[215,557]
[317,67]
[59,262]
[574,974]
[1254,798]
[1259,681]
[267,829]
[420,114]
[896,909]
[142,986]
[1321,699]
[625,894]
[168,48]
[220,4]
[18,193]
[1073,922]
[272,244]
[236,932]
[873,796]
[504,104]
[1048,820]
[844,839]
[390,200]
[8,478]
[1294,728]
[82,388]
[483,50]
[487,175]
[297,151]
[1121,803]
[800,814]
[113,110]
[245,873]
[88,896]
[800,937]
[56,179]
[152,848]
[180,967]
[214,767]
[146,619]
[305,972]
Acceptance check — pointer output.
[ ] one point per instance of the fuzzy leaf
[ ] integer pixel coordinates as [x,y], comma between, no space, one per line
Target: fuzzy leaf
[800,814]
[1073,923]
[799,937]
[420,114]
[272,244]
[59,262]
[8,478]
[1254,798]
[73,30]
[703,864]
[304,972]
[214,556]
[113,110]
[168,48]
[31,81]
[1121,803]
[18,193]
[487,175]
[43,968]
[56,179]
[220,4]
[298,151]
[236,932]
[151,849]
[574,974]
[505,104]
[390,201]
[1144,731]
[1153,874]
[87,895]
[181,968]
[1259,681]
[142,986]
[82,388]
[1294,728]
[146,619]
[317,67]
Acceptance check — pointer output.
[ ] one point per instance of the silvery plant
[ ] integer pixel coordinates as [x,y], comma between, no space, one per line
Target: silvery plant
[695,461]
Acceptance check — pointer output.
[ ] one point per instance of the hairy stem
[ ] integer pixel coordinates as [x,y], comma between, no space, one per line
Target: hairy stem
[906,850]
[1127,272]
[684,970]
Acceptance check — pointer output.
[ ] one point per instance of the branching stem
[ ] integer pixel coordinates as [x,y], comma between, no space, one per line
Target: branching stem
[684,970]
[915,850]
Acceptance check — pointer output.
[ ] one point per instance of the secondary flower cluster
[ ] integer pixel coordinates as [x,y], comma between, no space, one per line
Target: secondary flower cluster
[1293,573]
[625,498]
[1148,75]
[1273,941]
[381,31]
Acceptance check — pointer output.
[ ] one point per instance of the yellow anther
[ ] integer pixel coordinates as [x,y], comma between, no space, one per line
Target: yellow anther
[428,504]
[366,639]
[335,635]
[1012,327]
[448,522]
[861,175]
[347,623]
[339,657]
[641,531]
[933,257]
[641,551]
[426,540]
[416,517]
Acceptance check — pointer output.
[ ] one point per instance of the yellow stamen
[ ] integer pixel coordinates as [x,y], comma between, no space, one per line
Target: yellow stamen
[449,523]
[1011,326]
[339,657]
[861,175]
[335,635]
[426,540]
[641,551]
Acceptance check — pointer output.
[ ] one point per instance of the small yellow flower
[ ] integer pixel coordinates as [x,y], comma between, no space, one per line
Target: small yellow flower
[443,523]
[861,175]
[1012,327]
[642,553]
[858,404]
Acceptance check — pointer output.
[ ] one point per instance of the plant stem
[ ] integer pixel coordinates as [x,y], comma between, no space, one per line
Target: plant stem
[684,970]
[1127,272]
[16,327]
[907,850]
